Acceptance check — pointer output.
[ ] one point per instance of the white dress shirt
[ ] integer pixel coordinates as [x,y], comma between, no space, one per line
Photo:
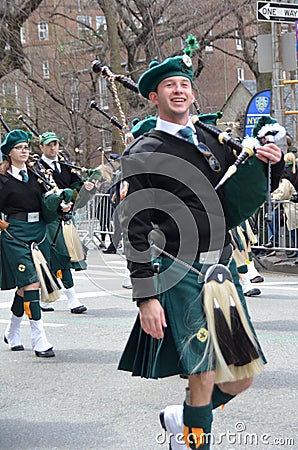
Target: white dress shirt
[174,128]
[15,172]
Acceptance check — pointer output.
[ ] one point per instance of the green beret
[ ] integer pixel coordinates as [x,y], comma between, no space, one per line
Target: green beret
[13,138]
[48,137]
[210,118]
[178,66]
[142,126]
[261,122]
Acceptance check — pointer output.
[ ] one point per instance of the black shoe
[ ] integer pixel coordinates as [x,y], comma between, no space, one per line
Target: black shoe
[252,292]
[78,309]
[45,354]
[269,244]
[47,308]
[257,279]
[108,250]
[16,348]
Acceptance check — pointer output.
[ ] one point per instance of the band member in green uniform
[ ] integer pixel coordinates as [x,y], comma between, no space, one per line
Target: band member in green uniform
[64,177]
[24,202]
[175,226]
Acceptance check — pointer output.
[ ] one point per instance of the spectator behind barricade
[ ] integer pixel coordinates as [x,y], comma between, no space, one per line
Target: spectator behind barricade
[290,146]
[116,238]
[290,171]
[104,210]
[286,191]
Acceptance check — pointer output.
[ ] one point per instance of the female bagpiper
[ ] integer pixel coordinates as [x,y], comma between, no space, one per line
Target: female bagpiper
[24,203]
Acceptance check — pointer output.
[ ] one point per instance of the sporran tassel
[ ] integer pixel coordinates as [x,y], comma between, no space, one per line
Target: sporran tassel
[230,337]
[245,351]
[223,333]
[49,285]
[73,242]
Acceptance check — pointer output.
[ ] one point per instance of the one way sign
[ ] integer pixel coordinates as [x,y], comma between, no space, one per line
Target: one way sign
[277,12]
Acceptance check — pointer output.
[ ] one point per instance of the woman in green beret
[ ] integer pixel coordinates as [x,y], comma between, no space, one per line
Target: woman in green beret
[23,201]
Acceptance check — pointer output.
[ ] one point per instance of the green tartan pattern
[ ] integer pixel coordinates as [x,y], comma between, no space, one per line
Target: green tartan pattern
[179,352]
[17,267]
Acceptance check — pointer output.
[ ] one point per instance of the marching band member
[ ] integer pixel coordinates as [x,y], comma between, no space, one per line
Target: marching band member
[25,204]
[188,288]
[61,263]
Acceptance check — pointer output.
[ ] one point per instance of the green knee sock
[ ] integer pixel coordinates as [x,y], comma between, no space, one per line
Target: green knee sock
[67,279]
[219,397]
[197,426]
[31,304]
[17,307]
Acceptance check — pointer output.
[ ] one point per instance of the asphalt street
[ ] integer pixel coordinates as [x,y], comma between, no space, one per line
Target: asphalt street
[79,400]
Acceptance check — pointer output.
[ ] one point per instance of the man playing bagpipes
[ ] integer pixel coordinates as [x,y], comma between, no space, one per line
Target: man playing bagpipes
[66,249]
[175,215]
[27,202]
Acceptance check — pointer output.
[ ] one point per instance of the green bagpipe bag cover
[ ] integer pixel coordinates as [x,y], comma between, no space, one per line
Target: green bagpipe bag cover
[245,191]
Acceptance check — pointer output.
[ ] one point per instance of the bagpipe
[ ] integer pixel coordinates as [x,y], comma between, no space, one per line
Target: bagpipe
[45,178]
[65,225]
[244,150]
[63,159]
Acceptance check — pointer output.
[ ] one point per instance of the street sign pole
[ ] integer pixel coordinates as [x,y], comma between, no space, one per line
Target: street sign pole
[277,102]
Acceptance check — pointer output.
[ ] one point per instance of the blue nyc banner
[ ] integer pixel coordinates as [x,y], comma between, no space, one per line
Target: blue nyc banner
[258,106]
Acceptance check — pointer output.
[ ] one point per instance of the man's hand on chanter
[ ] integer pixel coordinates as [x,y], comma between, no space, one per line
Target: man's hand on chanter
[269,152]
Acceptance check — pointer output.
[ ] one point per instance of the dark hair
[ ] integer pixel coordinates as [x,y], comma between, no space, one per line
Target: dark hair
[289,140]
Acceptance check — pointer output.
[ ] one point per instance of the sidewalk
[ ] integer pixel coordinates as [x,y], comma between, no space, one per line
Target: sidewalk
[277,263]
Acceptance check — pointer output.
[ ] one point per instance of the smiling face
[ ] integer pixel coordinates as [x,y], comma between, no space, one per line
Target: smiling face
[173,98]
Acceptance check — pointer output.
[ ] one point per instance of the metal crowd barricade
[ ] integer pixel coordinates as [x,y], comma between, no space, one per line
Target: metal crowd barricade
[95,219]
[277,231]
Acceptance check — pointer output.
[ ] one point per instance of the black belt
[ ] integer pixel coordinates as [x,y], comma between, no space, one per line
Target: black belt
[25,216]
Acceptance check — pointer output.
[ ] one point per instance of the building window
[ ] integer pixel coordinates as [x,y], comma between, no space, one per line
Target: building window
[101,24]
[238,41]
[46,70]
[209,48]
[23,34]
[10,95]
[84,25]
[27,103]
[74,92]
[240,74]
[43,31]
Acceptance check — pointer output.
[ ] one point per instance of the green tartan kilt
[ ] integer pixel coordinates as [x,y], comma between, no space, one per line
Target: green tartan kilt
[180,351]
[60,259]
[17,266]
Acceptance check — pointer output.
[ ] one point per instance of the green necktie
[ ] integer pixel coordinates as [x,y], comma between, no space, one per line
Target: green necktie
[187,134]
[24,176]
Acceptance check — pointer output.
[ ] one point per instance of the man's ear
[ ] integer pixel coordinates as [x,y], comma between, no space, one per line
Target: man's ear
[153,97]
